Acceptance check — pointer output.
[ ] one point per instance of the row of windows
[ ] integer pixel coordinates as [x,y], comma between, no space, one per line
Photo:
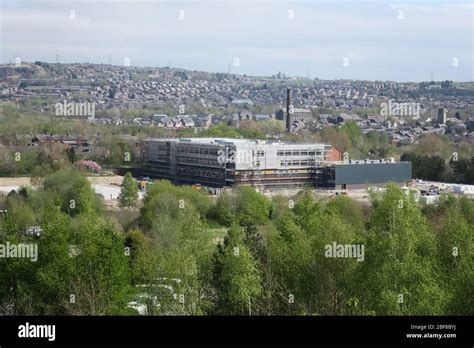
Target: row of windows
[297,163]
[195,160]
[298,153]
[201,151]
[259,153]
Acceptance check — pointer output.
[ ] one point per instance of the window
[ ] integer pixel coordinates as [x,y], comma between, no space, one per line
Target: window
[280,153]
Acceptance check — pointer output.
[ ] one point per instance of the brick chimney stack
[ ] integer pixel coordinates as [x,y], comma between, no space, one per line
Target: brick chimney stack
[288,113]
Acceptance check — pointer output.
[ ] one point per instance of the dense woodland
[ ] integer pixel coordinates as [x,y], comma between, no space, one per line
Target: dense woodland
[184,252]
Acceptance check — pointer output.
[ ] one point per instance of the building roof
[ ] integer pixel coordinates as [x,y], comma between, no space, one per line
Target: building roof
[212,141]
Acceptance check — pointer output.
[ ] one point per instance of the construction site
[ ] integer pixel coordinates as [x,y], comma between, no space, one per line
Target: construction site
[221,162]
[225,162]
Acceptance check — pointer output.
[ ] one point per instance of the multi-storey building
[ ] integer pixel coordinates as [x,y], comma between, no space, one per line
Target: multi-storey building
[218,162]
[297,114]
[227,162]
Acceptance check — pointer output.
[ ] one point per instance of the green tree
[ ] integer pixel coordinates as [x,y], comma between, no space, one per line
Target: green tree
[456,255]
[236,275]
[252,207]
[101,278]
[142,259]
[74,190]
[398,275]
[222,211]
[129,193]
[304,280]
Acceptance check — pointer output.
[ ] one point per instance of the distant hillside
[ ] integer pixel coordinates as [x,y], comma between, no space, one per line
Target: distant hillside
[24,71]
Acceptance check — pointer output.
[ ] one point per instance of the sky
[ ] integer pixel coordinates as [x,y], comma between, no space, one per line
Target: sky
[341,39]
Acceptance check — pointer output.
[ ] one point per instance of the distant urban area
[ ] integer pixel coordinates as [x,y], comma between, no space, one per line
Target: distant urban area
[123,105]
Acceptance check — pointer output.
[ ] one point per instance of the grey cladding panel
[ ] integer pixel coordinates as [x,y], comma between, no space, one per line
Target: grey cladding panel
[372,173]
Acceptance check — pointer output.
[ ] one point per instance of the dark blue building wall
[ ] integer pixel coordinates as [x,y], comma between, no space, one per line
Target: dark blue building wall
[368,173]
